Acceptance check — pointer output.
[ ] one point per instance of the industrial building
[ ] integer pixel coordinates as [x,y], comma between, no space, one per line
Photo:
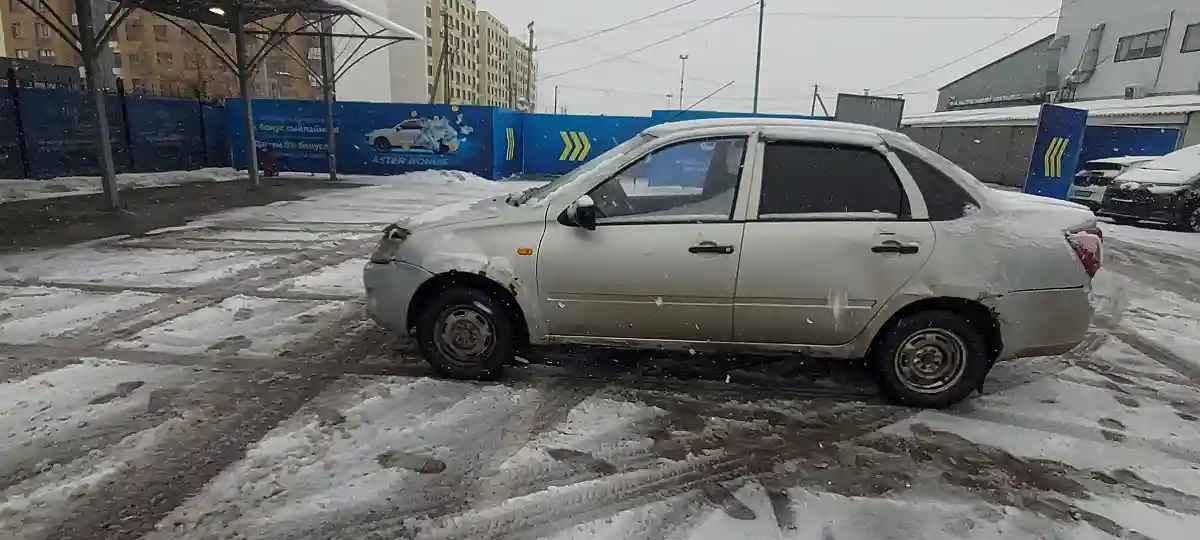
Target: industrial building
[1135,66]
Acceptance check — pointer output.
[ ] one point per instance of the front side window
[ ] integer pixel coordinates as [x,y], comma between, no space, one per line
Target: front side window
[688,181]
[822,181]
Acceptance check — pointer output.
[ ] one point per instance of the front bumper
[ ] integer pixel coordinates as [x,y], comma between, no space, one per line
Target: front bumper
[390,288]
[1140,205]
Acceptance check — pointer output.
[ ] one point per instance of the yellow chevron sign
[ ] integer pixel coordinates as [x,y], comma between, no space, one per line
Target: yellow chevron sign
[1054,156]
[512,144]
[576,146]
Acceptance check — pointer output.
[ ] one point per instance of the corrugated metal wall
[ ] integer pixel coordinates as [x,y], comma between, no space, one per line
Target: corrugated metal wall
[994,154]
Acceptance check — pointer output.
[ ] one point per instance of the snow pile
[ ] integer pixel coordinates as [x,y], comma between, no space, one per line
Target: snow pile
[24,189]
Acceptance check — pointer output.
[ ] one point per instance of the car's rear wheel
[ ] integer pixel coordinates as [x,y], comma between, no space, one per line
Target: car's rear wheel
[930,359]
[466,334]
[383,144]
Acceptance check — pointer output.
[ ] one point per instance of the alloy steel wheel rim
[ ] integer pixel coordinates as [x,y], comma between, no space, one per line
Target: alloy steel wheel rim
[931,360]
[465,336]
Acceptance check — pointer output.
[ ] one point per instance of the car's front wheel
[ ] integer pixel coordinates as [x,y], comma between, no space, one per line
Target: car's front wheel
[383,144]
[930,359]
[466,334]
[1189,221]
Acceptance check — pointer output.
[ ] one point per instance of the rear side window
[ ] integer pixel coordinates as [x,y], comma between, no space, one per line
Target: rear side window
[805,180]
[945,199]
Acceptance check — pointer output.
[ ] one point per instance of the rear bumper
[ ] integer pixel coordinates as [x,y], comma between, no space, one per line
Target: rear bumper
[390,288]
[1042,323]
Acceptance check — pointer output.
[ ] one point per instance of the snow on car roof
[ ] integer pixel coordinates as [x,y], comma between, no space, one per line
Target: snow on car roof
[1185,159]
[1157,105]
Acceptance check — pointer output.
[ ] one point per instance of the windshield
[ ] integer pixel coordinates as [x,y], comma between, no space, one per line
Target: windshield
[539,194]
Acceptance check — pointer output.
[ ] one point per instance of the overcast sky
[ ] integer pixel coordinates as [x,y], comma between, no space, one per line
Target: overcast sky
[842,45]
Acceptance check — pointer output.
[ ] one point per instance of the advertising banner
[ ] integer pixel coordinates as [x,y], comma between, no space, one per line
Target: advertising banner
[394,138]
[1056,151]
[371,138]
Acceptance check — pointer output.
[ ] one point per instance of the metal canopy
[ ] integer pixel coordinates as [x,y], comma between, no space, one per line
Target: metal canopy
[253,10]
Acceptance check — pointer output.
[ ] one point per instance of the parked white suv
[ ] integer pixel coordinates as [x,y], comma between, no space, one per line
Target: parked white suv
[750,236]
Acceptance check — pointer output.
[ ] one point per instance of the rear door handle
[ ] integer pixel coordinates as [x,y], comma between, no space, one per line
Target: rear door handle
[711,247]
[896,247]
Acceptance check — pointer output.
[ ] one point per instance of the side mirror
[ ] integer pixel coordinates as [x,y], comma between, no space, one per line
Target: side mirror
[582,212]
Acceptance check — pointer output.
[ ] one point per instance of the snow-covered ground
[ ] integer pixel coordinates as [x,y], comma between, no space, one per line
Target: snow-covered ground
[17,190]
[218,380]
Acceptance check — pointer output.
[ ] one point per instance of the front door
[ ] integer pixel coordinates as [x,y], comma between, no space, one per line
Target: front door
[663,259]
[833,239]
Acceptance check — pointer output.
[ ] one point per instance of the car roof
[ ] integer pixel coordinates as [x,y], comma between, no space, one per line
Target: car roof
[670,128]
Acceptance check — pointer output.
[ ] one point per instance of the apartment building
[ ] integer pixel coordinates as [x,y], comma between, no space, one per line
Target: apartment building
[153,54]
[523,74]
[27,37]
[452,50]
[495,59]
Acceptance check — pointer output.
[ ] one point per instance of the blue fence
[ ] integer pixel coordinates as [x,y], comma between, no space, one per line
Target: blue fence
[1114,141]
[47,132]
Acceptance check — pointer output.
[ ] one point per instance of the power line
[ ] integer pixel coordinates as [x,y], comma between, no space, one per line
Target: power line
[656,69]
[903,17]
[655,44]
[981,49]
[619,26]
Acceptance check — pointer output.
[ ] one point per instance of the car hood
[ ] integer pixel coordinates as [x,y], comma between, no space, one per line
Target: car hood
[472,212]
[1154,176]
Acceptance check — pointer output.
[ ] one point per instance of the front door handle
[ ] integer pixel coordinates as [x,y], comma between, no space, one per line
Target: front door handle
[896,247]
[711,247]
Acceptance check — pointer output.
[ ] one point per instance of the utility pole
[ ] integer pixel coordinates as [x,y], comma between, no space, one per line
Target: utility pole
[446,58]
[328,76]
[762,12]
[816,92]
[670,99]
[683,58]
[555,111]
[529,90]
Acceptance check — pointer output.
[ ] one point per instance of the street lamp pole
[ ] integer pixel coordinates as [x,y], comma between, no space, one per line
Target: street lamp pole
[670,99]
[762,11]
[683,58]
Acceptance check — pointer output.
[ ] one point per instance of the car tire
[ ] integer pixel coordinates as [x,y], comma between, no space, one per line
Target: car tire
[466,334]
[1189,220]
[383,144]
[930,359]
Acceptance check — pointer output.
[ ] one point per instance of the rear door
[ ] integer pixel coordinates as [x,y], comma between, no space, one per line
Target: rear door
[834,232]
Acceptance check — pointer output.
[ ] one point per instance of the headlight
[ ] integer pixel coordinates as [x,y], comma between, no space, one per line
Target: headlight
[393,237]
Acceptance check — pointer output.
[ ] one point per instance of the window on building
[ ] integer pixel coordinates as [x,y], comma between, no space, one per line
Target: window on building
[799,179]
[16,29]
[160,32]
[14,5]
[1139,46]
[21,53]
[41,30]
[1191,39]
[45,53]
[133,32]
[164,58]
[116,59]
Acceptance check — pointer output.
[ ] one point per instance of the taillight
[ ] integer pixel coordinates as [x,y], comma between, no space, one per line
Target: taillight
[1088,244]
[385,252]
